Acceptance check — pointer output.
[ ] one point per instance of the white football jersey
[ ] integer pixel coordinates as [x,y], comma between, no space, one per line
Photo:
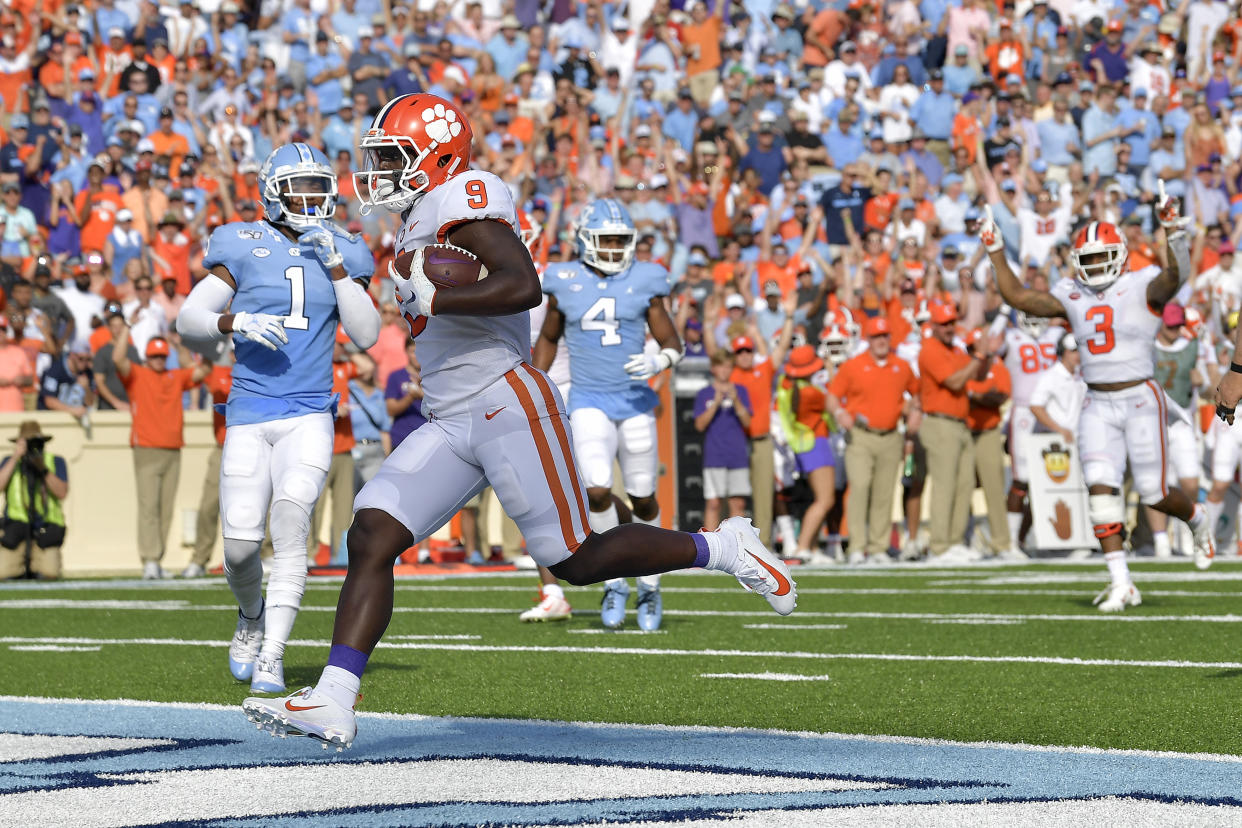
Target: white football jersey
[462,355]
[1115,328]
[1027,358]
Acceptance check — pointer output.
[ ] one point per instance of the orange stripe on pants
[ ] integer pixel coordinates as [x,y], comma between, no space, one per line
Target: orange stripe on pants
[1164,428]
[562,437]
[550,471]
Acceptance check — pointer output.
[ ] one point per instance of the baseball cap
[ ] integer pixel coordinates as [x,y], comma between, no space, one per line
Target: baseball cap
[1113,26]
[905,204]
[1039,165]
[950,250]
[1225,247]
[1173,315]
[961,49]
[124,214]
[735,300]
[771,288]
[157,346]
[113,309]
[876,326]
[951,178]
[969,97]
[942,313]
[742,343]
[19,121]
[1006,23]
[642,131]
[1064,77]
[972,214]
[696,258]
[908,287]
[936,74]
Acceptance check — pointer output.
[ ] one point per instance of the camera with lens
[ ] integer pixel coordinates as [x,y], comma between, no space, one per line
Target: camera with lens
[32,460]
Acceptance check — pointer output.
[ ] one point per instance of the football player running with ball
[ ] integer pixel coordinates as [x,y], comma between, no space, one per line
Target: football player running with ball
[289,277]
[494,418]
[1114,314]
[602,305]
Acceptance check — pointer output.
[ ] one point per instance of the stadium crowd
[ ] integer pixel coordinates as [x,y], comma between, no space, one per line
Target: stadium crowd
[812,175]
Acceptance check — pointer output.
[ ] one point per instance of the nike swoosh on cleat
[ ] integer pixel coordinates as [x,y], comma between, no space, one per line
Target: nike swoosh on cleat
[782,583]
[298,708]
[491,414]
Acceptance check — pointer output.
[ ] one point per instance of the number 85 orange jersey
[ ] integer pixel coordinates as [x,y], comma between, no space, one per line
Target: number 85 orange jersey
[1115,327]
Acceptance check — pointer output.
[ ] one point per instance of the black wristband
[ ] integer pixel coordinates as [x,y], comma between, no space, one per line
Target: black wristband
[1235,367]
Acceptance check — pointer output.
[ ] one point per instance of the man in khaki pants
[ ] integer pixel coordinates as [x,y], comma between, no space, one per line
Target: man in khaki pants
[987,392]
[944,370]
[867,397]
[156,435]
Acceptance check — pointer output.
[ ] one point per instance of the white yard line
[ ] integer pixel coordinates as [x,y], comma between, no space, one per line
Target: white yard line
[186,606]
[764,676]
[794,626]
[658,651]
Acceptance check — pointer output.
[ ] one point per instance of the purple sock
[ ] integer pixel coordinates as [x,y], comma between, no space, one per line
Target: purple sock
[347,658]
[700,544]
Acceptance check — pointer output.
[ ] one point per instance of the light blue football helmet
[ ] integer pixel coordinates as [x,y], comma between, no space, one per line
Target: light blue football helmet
[298,186]
[606,218]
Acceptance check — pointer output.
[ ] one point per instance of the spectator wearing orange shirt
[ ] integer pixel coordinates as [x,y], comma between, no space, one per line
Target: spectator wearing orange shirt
[967,126]
[700,41]
[96,207]
[867,396]
[987,391]
[944,370]
[170,252]
[172,146]
[219,382]
[15,371]
[1007,54]
[156,436]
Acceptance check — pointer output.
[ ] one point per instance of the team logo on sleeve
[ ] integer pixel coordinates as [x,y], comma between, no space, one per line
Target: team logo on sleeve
[1057,462]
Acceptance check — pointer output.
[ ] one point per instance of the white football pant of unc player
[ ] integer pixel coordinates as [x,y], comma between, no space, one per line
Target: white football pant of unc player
[514,436]
[598,440]
[283,463]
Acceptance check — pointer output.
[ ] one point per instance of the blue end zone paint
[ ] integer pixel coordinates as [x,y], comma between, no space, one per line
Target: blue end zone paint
[919,772]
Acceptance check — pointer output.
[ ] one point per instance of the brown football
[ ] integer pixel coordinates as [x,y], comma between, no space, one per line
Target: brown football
[445,265]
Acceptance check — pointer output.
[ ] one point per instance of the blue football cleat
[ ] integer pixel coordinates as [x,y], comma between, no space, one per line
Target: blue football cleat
[612,608]
[650,608]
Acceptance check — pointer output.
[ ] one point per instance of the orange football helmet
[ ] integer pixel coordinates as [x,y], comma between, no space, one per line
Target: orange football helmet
[1099,255]
[415,144]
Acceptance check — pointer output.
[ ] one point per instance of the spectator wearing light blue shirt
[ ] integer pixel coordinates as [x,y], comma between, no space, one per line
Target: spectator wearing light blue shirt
[1167,163]
[1101,132]
[1059,140]
[844,139]
[508,47]
[682,122]
[960,75]
[324,70]
[932,115]
[297,31]
[349,21]
[1140,142]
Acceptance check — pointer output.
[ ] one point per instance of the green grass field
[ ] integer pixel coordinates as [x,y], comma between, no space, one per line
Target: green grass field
[886,641]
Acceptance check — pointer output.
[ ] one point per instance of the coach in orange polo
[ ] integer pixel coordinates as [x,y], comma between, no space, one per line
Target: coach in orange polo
[867,397]
[156,435]
[944,370]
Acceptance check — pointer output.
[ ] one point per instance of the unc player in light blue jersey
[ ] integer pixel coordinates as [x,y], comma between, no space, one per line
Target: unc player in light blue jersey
[603,305]
[288,280]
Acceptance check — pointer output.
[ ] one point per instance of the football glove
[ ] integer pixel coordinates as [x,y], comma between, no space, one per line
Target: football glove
[1168,210]
[989,233]
[263,328]
[415,292]
[324,245]
[646,366]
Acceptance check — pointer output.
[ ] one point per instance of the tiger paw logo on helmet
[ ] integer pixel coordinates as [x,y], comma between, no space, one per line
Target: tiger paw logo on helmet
[442,124]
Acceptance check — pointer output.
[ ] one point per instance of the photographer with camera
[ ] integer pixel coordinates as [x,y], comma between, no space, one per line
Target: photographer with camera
[35,482]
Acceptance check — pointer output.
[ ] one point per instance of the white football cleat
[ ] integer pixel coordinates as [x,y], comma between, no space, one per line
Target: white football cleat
[269,675]
[551,608]
[304,714]
[956,554]
[759,570]
[245,646]
[1205,546]
[1116,597]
